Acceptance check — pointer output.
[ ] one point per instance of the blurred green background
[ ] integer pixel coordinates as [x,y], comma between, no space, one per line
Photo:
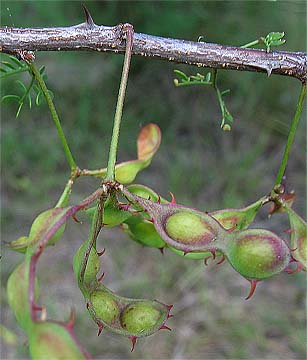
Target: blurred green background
[202,165]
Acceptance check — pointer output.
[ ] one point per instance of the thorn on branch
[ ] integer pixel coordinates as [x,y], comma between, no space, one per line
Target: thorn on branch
[89,20]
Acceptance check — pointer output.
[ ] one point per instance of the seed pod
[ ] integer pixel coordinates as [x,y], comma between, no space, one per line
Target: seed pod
[146,193]
[92,266]
[139,318]
[113,215]
[129,317]
[181,227]
[18,294]
[51,340]
[143,232]
[298,242]
[105,306]
[40,227]
[257,254]
[238,219]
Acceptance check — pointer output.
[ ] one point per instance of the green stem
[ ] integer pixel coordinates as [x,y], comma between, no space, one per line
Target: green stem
[252,43]
[219,96]
[54,115]
[291,135]
[120,103]
[63,200]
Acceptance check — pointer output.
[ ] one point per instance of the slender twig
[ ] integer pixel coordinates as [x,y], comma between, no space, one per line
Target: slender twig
[63,200]
[54,114]
[128,29]
[291,135]
[89,36]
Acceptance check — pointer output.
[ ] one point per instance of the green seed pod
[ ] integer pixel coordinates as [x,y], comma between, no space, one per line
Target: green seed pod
[238,219]
[257,254]
[146,193]
[143,232]
[40,227]
[20,244]
[139,318]
[92,266]
[112,215]
[18,294]
[298,240]
[50,340]
[105,306]
[185,229]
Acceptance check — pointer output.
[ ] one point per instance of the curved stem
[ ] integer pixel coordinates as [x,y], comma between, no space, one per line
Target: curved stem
[54,114]
[291,135]
[120,103]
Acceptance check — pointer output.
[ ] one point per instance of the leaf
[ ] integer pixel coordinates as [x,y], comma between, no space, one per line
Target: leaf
[182,75]
[11,98]
[37,99]
[22,85]
[16,61]
[8,64]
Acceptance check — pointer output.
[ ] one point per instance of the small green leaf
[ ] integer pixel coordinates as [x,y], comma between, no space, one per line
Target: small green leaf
[277,42]
[22,85]
[11,98]
[208,77]
[272,36]
[8,64]
[19,109]
[30,101]
[182,75]
[42,69]
[17,62]
[37,99]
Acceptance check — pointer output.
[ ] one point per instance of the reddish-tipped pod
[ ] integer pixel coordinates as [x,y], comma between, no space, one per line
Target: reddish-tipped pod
[298,233]
[257,254]
[148,143]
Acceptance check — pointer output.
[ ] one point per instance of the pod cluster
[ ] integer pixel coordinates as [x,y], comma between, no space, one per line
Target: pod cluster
[133,318]
[256,254]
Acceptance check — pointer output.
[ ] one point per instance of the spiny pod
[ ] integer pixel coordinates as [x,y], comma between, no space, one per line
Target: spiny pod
[52,340]
[298,241]
[231,220]
[41,225]
[181,227]
[257,254]
[133,318]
